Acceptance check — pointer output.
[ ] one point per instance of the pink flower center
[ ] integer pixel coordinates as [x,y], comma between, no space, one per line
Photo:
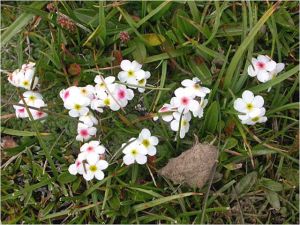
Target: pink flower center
[78,164]
[184,101]
[261,65]
[90,149]
[66,94]
[39,114]
[121,94]
[84,132]
[21,110]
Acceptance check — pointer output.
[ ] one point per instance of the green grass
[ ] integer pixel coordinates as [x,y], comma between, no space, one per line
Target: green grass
[174,40]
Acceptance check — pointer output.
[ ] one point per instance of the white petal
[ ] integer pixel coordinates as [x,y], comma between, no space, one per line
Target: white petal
[174,125]
[102,164]
[248,96]
[263,76]
[270,66]
[73,169]
[99,175]
[167,118]
[88,175]
[73,113]
[122,76]
[140,74]
[263,58]
[136,66]
[151,151]
[251,71]
[109,80]
[258,101]
[128,159]
[279,67]
[141,159]
[194,105]
[187,83]
[92,157]
[145,133]
[153,140]
[126,65]
[239,105]
[92,130]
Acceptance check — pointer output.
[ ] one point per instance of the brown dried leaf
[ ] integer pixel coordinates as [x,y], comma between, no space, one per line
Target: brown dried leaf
[192,167]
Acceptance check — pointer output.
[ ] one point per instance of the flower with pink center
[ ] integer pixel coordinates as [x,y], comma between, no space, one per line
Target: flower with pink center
[36,114]
[69,93]
[91,150]
[184,100]
[21,111]
[85,132]
[261,67]
[123,94]
[77,167]
[166,112]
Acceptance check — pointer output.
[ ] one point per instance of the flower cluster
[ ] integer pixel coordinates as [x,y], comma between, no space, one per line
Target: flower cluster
[189,100]
[32,99]
[133,75]
[264,68]
[251,108]
[138,148]
[24,78]
[90,162]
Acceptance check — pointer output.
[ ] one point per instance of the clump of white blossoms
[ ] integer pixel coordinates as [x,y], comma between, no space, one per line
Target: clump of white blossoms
[24,78]
[251,108]
[189,100]
[90,163]
[264,68]
[32,99]
[138,148]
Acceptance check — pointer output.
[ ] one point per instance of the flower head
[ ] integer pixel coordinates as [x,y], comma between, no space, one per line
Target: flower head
[142,82]
[77,105]
[85,132]
[184,100]
[195,86]
[131,73]
[148,142]
[249,104]
[123,94]
[259,117]
[91,150]
[166,112]
[77,167]
[184,124]
[89,119]
[94,168]
[134,152]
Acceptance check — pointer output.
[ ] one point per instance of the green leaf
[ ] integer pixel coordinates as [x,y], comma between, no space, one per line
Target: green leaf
[19,23]
[66,178]
[154,39]
[273,199]
[244,45]
[22,133]
[230,143]
[212,117]
[271,184]
[246,183]
[160,201]
[140,52]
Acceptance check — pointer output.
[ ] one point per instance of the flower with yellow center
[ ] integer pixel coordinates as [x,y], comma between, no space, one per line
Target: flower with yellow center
[93,168]
[134,152]
[148,142]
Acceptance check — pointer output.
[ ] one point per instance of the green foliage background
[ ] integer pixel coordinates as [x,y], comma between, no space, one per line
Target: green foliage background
[174,40]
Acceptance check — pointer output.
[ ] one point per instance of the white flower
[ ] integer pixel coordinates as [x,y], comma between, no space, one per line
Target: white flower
[131,72]
[85,132]
[148,142]
[184,100]
[166,113]
[24,77]
[96,104]
[34,99]
[261,67]
[134,152]
[94,168]
[77,105]
[249,104]
[197,89]
[77,167]
[108,101]
[100,85]
[69,93]
[89,119]
[185,125]
[37,114]
[142,81]
[199,112]
[259,117]
[123,94]
[91,150]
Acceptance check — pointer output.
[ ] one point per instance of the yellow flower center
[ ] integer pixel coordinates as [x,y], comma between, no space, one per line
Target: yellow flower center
[130,73]
[106,101]
[249,106]
[255,119]
[93,168]
[134,152]
[146,143]
[141,82]
[83,91]
[32,98]
[197,86]
[25,82]
[183,123]
[77,106]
